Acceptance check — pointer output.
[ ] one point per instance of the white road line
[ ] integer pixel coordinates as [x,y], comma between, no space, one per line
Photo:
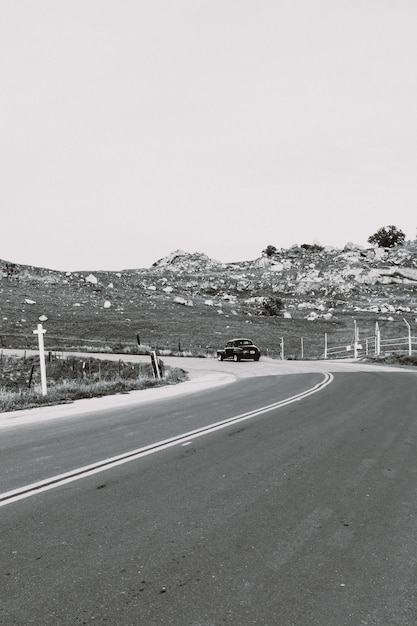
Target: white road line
[88,470]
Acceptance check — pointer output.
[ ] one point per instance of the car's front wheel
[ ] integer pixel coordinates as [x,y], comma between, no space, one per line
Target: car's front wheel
[236,358]
[220,357]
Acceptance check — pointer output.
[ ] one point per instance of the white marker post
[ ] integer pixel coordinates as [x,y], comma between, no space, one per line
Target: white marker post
[377,339]
[410,351]
[356,340]
[40,332]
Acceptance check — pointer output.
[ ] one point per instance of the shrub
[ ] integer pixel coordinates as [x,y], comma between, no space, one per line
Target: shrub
[272,306]
[314,247]
[269,251]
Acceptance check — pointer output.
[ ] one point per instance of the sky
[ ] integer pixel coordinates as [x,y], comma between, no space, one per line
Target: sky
[132,128]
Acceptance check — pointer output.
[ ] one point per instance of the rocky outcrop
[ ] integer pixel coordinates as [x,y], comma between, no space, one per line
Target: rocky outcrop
[186,261]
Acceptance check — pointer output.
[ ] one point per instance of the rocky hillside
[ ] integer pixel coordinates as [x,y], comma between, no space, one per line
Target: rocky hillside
[375,279]
[196,300]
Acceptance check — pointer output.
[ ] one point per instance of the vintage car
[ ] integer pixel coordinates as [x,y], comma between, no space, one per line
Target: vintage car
[238,349]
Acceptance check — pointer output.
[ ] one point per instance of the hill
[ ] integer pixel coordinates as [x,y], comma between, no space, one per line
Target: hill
[190,302]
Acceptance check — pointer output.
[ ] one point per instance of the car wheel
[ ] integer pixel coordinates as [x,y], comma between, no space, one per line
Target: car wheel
[220,357]
[256,358]
[236,358]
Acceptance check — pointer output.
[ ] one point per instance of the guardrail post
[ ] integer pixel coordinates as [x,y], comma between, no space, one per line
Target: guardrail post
[325,345]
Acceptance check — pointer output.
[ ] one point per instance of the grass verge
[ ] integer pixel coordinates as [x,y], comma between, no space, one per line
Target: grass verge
[74,379]
[395,359]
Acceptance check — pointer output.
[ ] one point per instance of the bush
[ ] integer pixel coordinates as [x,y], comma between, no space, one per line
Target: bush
[315,247]
[387,237]
[269,251]
[272,306]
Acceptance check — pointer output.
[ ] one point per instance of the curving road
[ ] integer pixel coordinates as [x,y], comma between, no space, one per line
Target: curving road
[269,493]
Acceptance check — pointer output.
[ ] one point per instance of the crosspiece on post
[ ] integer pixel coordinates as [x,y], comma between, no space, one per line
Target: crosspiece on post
[40,332]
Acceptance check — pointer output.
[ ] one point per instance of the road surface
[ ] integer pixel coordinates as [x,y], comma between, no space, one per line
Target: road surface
[284,498]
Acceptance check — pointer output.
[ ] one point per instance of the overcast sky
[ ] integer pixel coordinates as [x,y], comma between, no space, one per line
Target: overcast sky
[132,128]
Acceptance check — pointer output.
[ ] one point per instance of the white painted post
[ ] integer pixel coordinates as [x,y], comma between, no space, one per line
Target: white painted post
[409,337]
[325,345]
[282,348]
[377,339]
[302,349]
[355,343]
[40,332]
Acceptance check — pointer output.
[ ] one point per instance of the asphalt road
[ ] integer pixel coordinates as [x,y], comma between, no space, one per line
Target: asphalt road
[303,513]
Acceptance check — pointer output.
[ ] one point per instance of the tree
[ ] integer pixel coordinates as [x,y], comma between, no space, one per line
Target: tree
[387,237]
[269,250]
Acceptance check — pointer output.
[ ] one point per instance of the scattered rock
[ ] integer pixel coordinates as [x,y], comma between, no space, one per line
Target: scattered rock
[91,279]
[183,301]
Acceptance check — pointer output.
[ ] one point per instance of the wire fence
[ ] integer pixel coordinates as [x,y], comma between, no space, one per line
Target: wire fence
[339,344]
[372,346]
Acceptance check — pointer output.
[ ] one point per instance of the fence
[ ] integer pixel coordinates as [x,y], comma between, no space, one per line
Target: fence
[374,345]
[293,346]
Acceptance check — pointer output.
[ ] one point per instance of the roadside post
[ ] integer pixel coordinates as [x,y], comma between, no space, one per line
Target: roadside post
[356,344]
[355,340]
[409,337]
[40,332]
[377,339]
[155,365]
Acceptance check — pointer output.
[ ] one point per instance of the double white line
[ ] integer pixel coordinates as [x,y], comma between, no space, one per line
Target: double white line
[88,470]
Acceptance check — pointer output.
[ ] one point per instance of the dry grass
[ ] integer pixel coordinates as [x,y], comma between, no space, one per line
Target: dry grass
[78,321]
[73,379]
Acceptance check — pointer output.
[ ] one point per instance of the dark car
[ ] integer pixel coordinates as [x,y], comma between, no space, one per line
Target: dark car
[238,349]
